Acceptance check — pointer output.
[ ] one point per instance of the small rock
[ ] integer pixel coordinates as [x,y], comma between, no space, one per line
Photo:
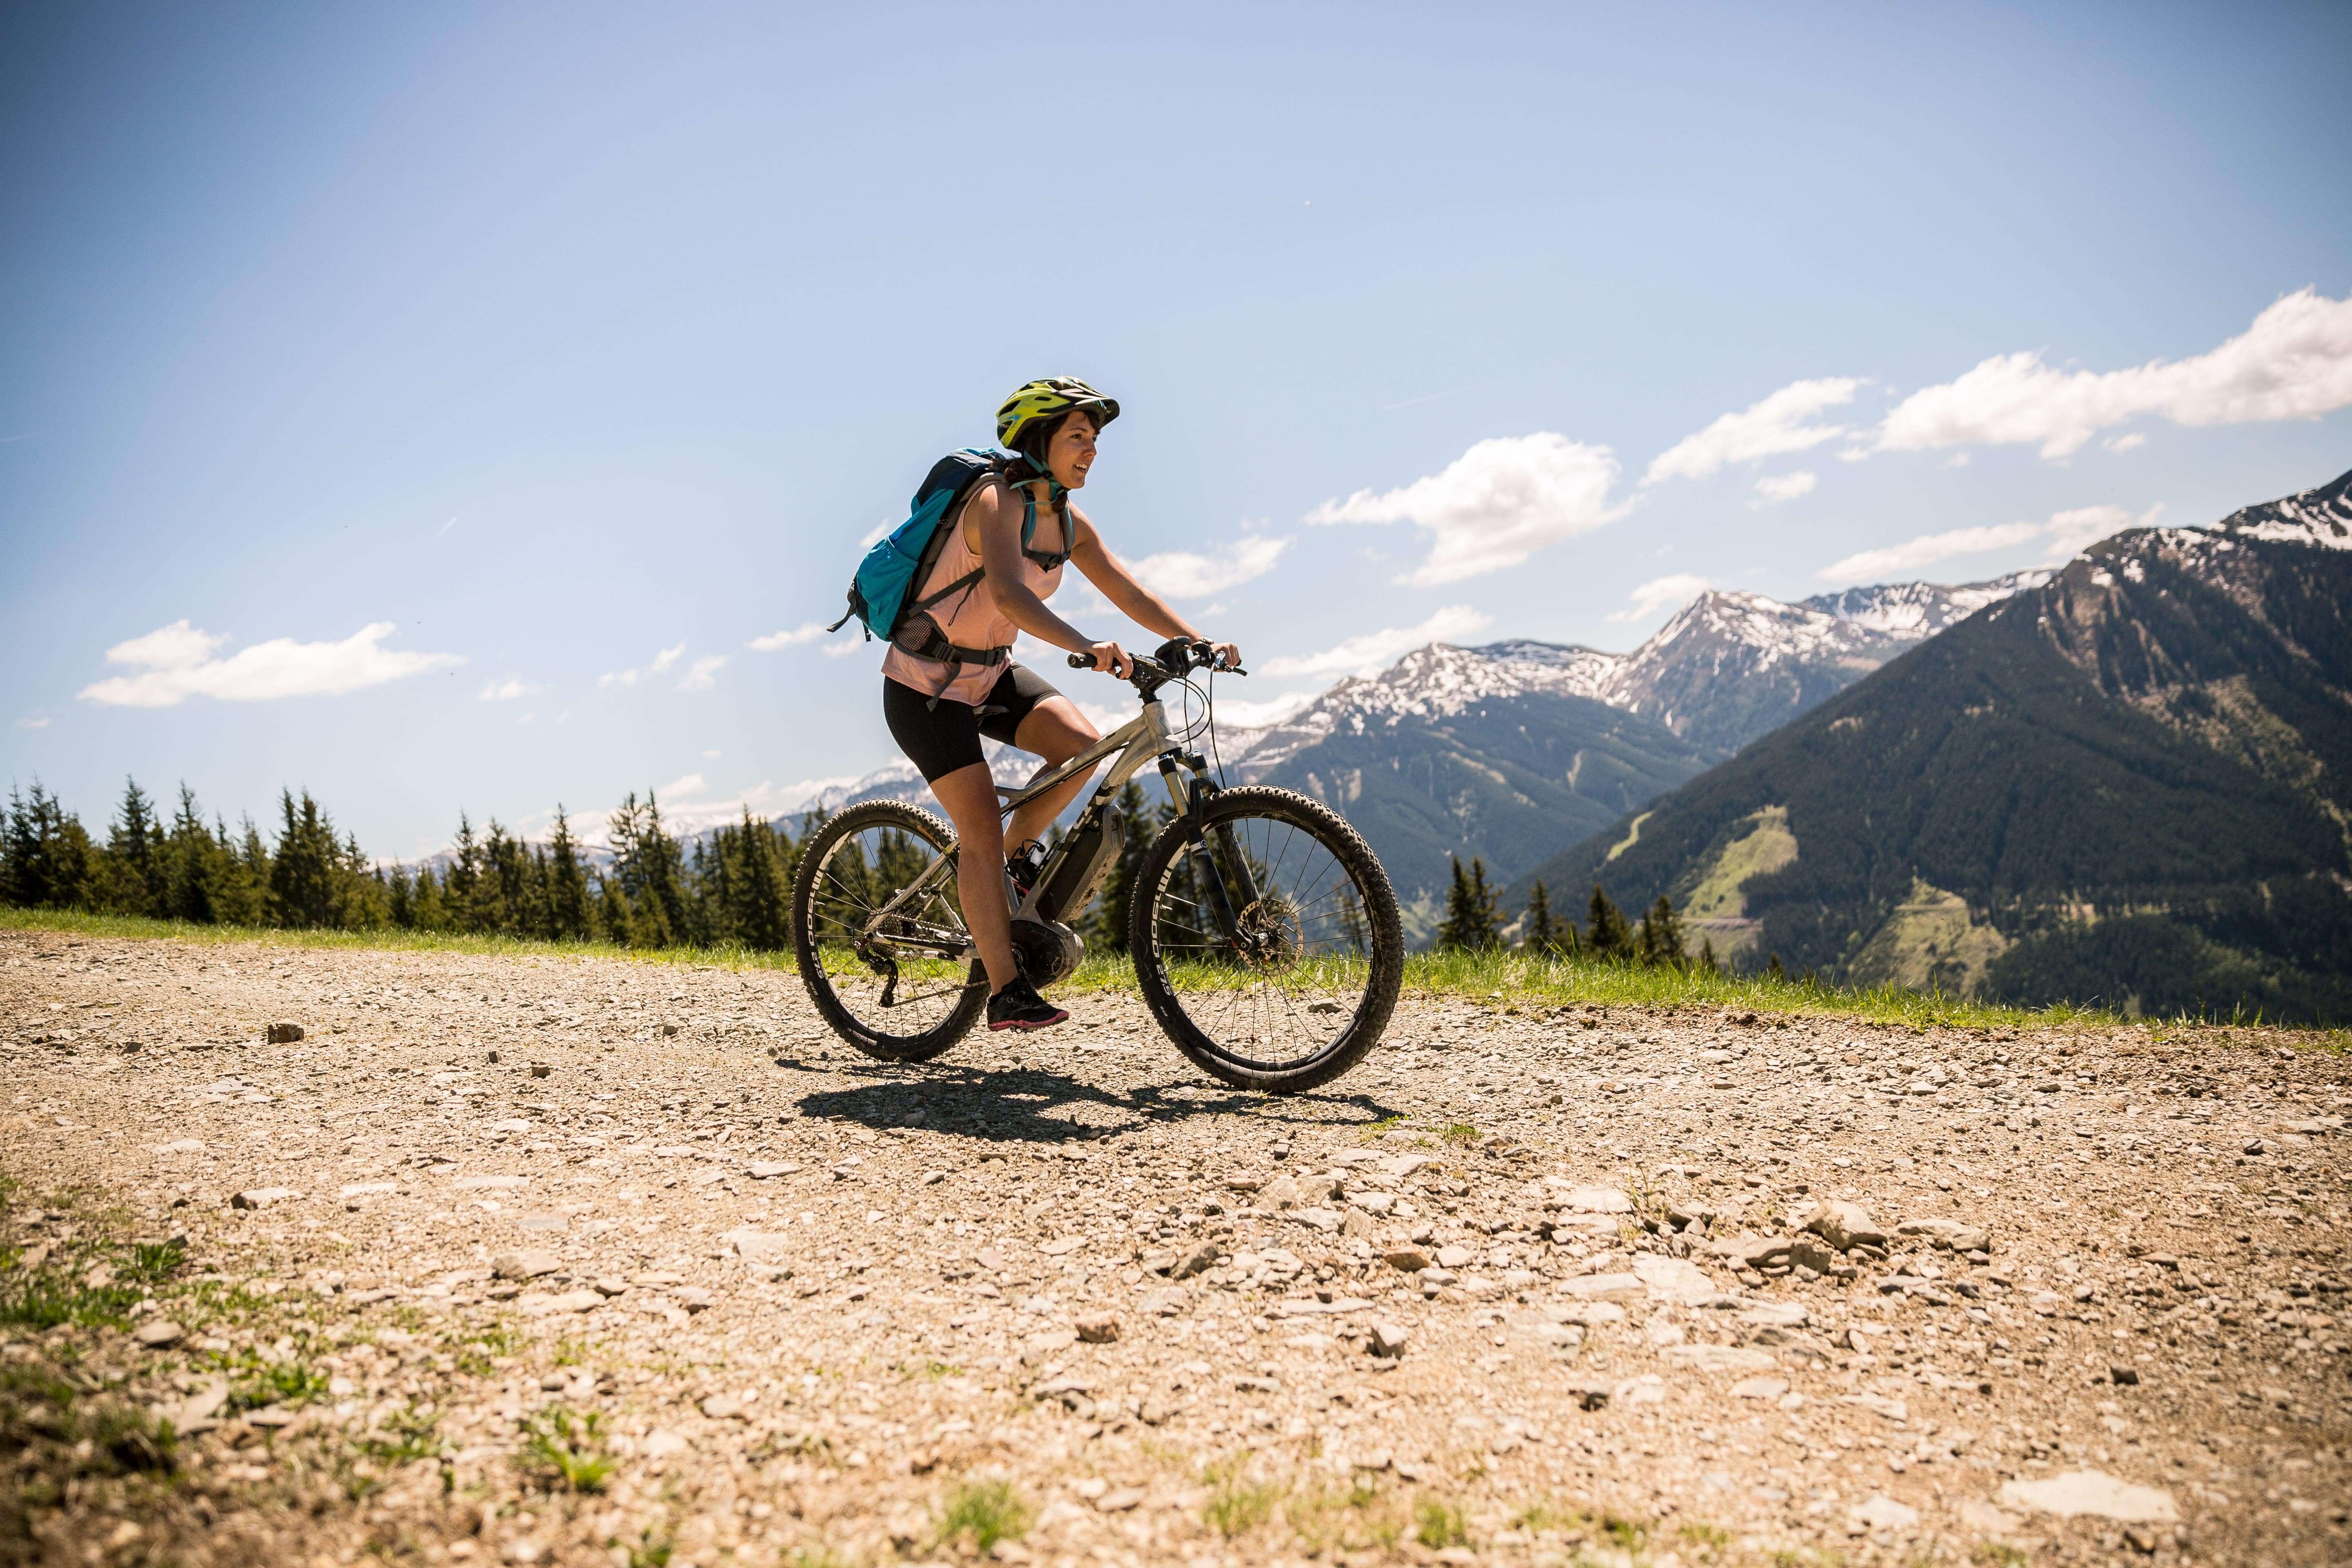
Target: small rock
[1878,1511]
[1119,1499]
[160,1334]
[1718,1358]
[262,1197]
[1409,1259]
[2093,1492]
[1673,1279]
[610,1285]
[693,1297]
[1599,1200]
[1846,1225]
[768,1170]
[664,1443]
[1948,1235]
[1759,1388]
[541,1070]
[2254,1146]
[523,1549]
[2126,1377]
[1201,1259]
[722,1407]
[529,1263]
[283,1034]
[1099,1327]
[572,1302]
[1456,1258]
[1589,1395]
[1600,1286]
[1161,1303]
[1389,1339]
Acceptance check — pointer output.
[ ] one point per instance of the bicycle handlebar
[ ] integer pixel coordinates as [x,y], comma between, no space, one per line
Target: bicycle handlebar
[1195,656]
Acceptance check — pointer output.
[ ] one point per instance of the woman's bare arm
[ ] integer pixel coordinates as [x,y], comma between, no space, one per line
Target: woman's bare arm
[1109,574]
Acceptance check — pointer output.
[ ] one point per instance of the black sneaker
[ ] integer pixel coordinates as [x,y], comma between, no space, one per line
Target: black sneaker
[1018,1006]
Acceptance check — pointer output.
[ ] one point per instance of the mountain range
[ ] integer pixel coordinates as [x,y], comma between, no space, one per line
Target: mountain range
[2131,783]
[1509,751]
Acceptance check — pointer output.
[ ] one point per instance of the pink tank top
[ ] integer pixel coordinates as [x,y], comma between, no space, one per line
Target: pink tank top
[971,618]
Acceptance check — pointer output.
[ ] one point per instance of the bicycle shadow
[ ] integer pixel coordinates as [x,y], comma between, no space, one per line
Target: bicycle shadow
[1031,1104]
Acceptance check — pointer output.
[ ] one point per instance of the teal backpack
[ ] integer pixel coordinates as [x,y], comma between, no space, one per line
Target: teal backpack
[880,593]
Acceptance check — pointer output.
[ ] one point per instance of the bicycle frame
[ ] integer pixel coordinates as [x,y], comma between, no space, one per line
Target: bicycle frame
[1139,739]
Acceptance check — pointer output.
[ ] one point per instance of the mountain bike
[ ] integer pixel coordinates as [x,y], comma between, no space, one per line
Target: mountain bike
[1264,931]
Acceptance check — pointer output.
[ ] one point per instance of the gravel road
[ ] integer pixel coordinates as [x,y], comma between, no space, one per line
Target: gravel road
[538,1259]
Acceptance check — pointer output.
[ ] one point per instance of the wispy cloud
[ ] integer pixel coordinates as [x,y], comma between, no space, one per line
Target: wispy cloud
[177,662]
[37,723]
[1180,574]
[2294,362]
[702,675]
[1373,651]
[1771,489]
[661,661]
[2066,535]
[691,784]
[1786,421]
[446,526]
[1493,506]
[808,631]
[843,650]
[508,689]
[1659,592]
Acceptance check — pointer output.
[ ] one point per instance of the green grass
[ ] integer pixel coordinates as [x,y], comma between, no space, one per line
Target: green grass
[566,1450]
[1236,1504]
[983,1512]
[46,1298]
[1438,1524]
[1499,979]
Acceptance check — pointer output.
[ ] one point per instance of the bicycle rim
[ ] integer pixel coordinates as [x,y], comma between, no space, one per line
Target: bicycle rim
[879,965]
[1305,979]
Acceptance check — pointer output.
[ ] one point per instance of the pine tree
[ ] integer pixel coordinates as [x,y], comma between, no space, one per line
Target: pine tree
[1775,970]
[1659,939]
[762,904]
[136,881]
[1608,936]
[1472,922]
[47,860]
[614,920]
[567,885]
[1541,933]
[1706,959]
[302,870]
[461,878]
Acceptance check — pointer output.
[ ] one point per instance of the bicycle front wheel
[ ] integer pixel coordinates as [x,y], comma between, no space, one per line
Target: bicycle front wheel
[879,934]
[1269,947]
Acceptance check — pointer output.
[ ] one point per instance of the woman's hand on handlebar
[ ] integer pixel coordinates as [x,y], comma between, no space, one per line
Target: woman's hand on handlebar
[1227,655]
[1107,657]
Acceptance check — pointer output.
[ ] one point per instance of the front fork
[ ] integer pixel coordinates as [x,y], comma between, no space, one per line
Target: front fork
[1231,887]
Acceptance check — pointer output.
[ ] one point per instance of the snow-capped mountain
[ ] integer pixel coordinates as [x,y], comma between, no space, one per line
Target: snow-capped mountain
[2322,516]
[1731,665]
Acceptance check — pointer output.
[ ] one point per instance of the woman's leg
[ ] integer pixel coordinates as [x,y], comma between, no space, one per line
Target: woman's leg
[1055,731]
[970,795]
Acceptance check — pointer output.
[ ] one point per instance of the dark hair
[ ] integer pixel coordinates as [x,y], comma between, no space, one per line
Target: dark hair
[1038,439]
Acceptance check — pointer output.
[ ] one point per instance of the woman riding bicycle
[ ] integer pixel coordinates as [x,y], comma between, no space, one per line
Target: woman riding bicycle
[949,678]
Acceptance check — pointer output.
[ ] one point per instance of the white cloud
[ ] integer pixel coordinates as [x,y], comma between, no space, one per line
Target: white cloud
[1784,421]
[1867,566]
[843,650]
[692,783]
[1658,593]
[700,676]
[2294,362]
[2131,442]
[1496,505]
[809,631]
[506,690]
[176,662]
[1180,575]
[711,755]
[2068,534]
[661,661]
[1771,489]
[879,532]
[40,723]
[1374,652]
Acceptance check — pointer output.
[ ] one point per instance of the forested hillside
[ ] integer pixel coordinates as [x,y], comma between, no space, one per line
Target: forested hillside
[2132,784]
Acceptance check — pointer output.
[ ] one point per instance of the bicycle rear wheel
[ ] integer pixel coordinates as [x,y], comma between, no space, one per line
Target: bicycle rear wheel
[1292,981]
[885,971]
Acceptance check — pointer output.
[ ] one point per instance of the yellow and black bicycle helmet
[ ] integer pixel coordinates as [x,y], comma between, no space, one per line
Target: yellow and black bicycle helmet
[1043,399]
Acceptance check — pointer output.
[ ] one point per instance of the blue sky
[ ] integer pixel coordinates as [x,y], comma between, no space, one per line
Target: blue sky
[468,380]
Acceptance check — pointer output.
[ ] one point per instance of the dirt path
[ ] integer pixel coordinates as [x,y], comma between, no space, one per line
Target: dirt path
[1488,1301]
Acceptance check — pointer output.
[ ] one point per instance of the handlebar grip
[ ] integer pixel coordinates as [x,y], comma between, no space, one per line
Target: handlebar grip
[1082,661]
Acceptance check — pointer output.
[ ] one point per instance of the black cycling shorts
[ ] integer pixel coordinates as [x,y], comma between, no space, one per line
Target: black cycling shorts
[943,737]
